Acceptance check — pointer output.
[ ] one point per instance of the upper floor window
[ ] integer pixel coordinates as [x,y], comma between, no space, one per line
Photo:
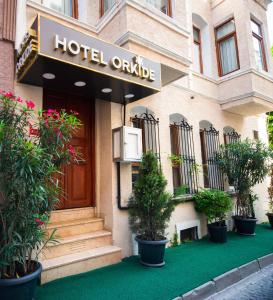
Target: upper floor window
[227,48]
[197,51]
[256,135]
[106,5]
[67,7]
[258,43]
[164,6]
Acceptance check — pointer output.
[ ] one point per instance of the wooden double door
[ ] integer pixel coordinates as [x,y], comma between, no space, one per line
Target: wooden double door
[77,179]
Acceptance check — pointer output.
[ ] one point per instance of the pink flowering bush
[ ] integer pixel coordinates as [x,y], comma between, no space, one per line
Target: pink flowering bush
[33,149]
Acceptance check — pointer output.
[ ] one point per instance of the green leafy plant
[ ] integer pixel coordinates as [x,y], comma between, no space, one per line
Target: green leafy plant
[215,204]
[270,191]
[174,240]
[150,206]
[176,160]
[181,190]
[33,150]
[270,128]
[245,164]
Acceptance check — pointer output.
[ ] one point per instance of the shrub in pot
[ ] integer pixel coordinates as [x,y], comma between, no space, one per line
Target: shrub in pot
[245,163]
[32,149]
[215,204]
[150,209]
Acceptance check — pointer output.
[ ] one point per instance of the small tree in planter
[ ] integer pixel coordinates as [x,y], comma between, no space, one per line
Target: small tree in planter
[245,163]
[215,204]
[32,149]
[150,209]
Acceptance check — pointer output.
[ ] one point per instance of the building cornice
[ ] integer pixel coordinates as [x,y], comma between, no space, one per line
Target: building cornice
[248,95]
[135,38]
[262,3]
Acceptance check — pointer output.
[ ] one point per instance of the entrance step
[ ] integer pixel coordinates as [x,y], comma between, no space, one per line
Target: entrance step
[78,243]
[72,214]
[83,244]
[76,263]
[75,227]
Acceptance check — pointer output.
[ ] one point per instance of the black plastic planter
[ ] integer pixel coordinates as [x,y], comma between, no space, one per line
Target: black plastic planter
[245,226]
[217,233]
[22,288]
[151,252]
[270,218]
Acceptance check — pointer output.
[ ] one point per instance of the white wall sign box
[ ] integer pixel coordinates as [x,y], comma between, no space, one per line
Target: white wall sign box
[127,144]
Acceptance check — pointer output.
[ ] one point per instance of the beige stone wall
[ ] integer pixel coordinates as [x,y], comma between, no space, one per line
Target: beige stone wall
[197,97]
[176,99]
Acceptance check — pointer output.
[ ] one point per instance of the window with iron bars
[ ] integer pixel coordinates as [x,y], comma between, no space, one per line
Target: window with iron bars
[150,137]
[231,136]
[182,147]
[210,143]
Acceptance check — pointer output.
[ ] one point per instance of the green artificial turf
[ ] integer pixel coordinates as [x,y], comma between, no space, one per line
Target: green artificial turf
[187,266]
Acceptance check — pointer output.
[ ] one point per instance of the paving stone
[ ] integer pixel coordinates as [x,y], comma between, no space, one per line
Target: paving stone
[202,292]
[188,296]
[205,290]
[248,269]
[265,260]
[258,286]
[227,279]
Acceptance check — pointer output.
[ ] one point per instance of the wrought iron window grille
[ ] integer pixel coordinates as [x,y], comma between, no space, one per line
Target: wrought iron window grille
[232,137]
[183,146]
[210,143]
[150,132]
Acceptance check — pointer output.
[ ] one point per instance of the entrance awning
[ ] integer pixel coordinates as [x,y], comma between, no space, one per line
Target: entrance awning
[56,56]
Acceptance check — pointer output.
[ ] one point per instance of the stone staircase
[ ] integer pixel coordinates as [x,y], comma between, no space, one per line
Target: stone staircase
[83,244]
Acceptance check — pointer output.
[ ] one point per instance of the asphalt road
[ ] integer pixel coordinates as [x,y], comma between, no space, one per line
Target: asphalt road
[258,286]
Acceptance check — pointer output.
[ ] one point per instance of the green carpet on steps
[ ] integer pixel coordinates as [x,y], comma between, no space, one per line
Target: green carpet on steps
[187,267]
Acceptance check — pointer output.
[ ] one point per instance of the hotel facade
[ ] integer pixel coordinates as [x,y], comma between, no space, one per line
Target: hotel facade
[175,77]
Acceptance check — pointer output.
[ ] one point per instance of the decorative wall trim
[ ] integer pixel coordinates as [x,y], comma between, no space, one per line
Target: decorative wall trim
[248,95]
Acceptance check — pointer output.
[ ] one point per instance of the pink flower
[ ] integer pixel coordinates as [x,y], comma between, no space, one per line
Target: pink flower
[39,222]
[71,150]
[33,131]
[30,104]
[9,95]
[51,111]
[19,99]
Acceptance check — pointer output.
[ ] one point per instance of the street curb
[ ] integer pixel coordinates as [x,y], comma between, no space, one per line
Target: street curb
[227,279]
[265,260]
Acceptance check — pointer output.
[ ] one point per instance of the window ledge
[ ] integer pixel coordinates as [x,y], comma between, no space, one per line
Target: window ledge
[189,197]
[184,198]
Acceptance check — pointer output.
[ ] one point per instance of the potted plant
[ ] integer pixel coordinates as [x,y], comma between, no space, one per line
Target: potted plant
[32,150]
[270,194]
[245,163]
[214,204]
[150,209]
